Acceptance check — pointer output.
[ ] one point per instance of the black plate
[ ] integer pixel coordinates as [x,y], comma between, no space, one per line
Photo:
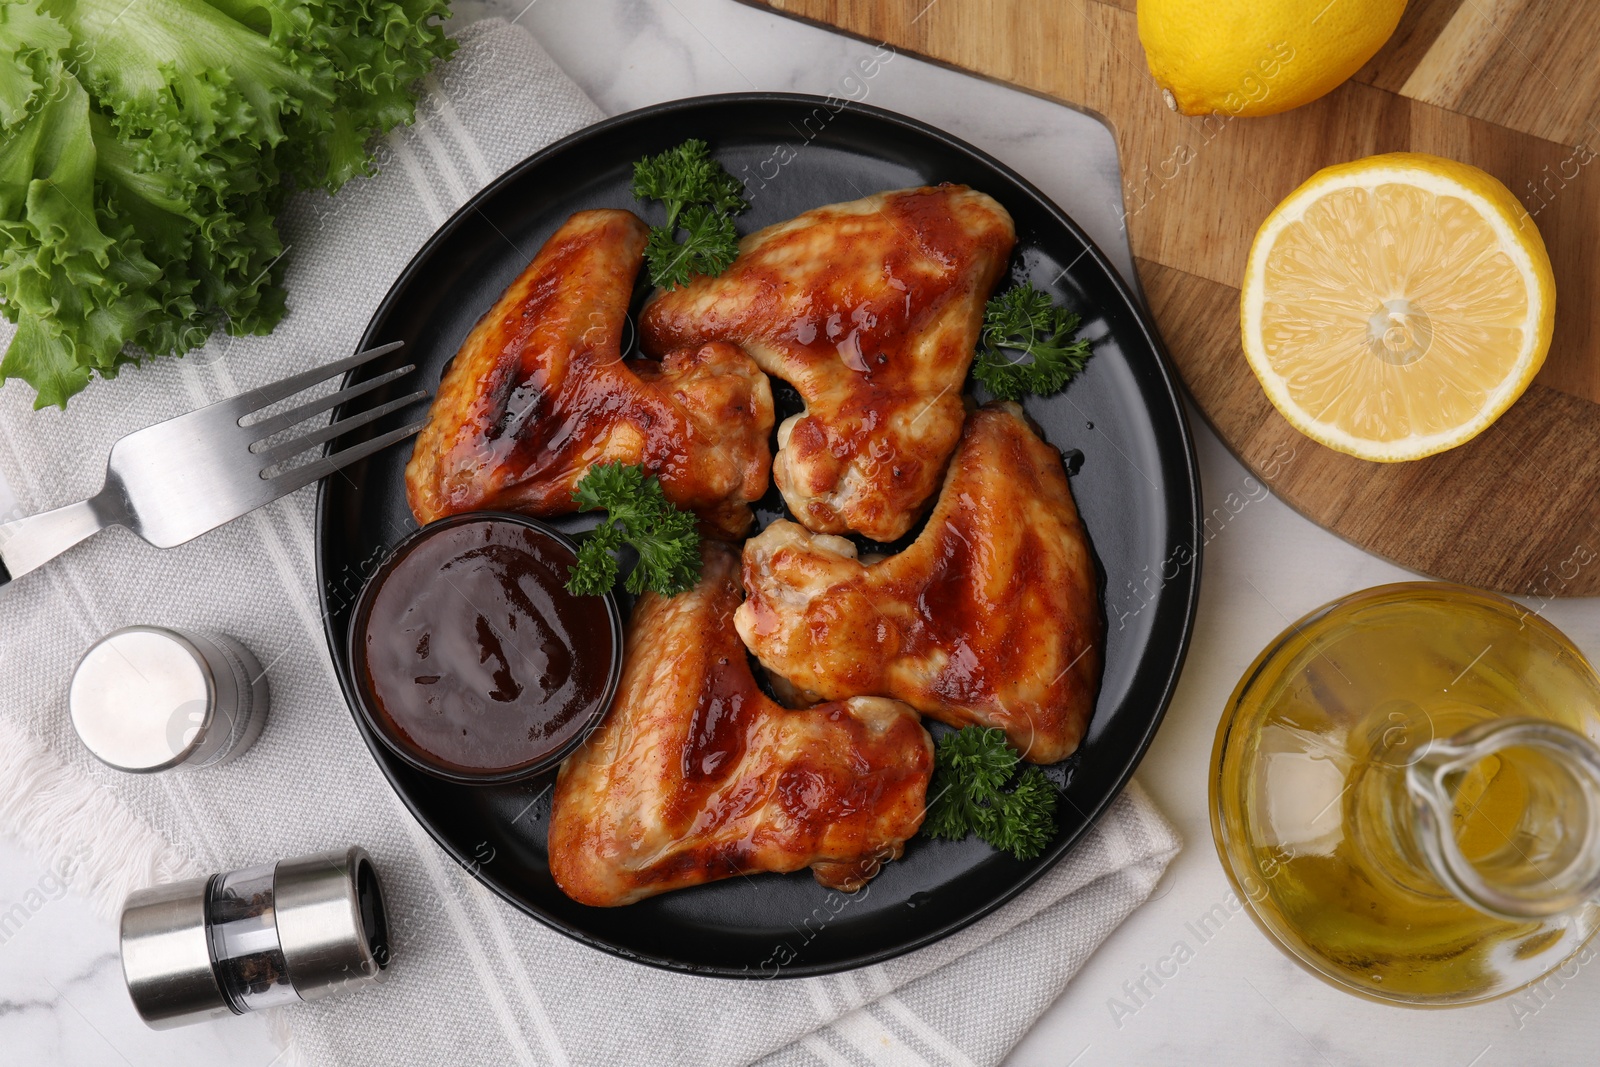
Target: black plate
[1137,488]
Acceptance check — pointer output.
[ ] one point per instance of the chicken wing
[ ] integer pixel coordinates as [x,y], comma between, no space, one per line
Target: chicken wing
[697,775]
[539,393]
[991,616]
[871,310]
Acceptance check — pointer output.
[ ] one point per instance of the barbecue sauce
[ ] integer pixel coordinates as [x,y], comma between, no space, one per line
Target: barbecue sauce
[476,657]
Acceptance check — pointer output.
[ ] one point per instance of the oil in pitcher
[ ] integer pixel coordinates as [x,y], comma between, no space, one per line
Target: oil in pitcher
[1405,790]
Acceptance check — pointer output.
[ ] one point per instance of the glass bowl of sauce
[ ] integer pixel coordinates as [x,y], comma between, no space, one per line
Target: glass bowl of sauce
[472,662]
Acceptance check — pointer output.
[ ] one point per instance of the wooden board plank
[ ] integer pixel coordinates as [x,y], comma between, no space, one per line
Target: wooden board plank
[1501,504]
[1468,79]
[1527,65]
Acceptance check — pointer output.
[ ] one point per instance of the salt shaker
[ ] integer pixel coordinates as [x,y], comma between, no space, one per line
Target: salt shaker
[147,698]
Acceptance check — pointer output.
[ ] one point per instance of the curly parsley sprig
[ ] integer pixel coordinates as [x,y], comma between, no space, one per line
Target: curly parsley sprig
[701,199]
[969,795]
[638,514]
[1025,320]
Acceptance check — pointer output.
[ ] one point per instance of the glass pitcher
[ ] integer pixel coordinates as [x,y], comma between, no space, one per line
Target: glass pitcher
[1405,790]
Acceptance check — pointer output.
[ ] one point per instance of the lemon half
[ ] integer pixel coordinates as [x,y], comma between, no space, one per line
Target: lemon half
[1394,307]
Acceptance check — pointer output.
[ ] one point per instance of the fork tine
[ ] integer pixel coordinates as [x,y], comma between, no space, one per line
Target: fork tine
[287,449]
[289,481]
[260,431]
[273,392]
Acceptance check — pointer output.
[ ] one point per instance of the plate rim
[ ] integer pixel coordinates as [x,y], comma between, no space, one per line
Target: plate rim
[1190,483]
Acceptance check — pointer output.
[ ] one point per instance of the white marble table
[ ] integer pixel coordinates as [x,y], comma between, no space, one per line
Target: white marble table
[1235,1000]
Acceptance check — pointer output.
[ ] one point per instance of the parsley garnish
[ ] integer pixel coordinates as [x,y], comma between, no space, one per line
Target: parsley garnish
[701,199]
[1024,320]
[639,514]
[968,795]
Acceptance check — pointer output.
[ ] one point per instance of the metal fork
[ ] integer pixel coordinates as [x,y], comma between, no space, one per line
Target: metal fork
[171,482]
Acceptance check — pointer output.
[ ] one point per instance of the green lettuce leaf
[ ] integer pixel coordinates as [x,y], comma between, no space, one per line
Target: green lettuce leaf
[75,290]
[146,153]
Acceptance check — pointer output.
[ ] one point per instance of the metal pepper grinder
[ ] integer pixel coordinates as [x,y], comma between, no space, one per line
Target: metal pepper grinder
[257,938]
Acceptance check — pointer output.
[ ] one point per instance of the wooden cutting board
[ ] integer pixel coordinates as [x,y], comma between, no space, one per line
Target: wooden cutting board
[1512,86]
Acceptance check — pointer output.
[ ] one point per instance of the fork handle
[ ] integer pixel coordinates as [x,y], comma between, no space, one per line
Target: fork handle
[27,544]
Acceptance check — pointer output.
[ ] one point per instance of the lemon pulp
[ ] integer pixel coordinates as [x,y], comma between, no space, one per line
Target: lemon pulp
[1394,307]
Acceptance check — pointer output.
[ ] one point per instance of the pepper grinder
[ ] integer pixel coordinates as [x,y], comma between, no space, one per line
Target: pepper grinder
[257,938]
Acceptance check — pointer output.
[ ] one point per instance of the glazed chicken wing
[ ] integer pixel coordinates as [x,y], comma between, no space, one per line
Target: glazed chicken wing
[539,393]
[990,617]
[697,775]
[871,310]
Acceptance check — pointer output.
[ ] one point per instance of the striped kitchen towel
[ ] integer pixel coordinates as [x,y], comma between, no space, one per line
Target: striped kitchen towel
[475,981]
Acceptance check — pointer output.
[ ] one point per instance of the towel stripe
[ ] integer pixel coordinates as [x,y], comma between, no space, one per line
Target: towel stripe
[8,499]
[442,163]
[452,121]
[849,992]
[924,1030]
[419,179]
[490,906]
[818,1047]
[877,1043]
[817,990]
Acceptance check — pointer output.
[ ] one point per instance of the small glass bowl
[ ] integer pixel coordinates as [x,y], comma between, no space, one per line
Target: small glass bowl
[413,755]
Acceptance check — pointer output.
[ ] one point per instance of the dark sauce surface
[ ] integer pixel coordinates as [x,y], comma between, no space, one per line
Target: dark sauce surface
[476,655]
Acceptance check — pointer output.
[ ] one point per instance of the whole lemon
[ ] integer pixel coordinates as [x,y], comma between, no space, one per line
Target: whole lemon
[1259,57]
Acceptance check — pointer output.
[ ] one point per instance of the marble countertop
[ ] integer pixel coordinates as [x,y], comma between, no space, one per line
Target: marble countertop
[1234,999]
